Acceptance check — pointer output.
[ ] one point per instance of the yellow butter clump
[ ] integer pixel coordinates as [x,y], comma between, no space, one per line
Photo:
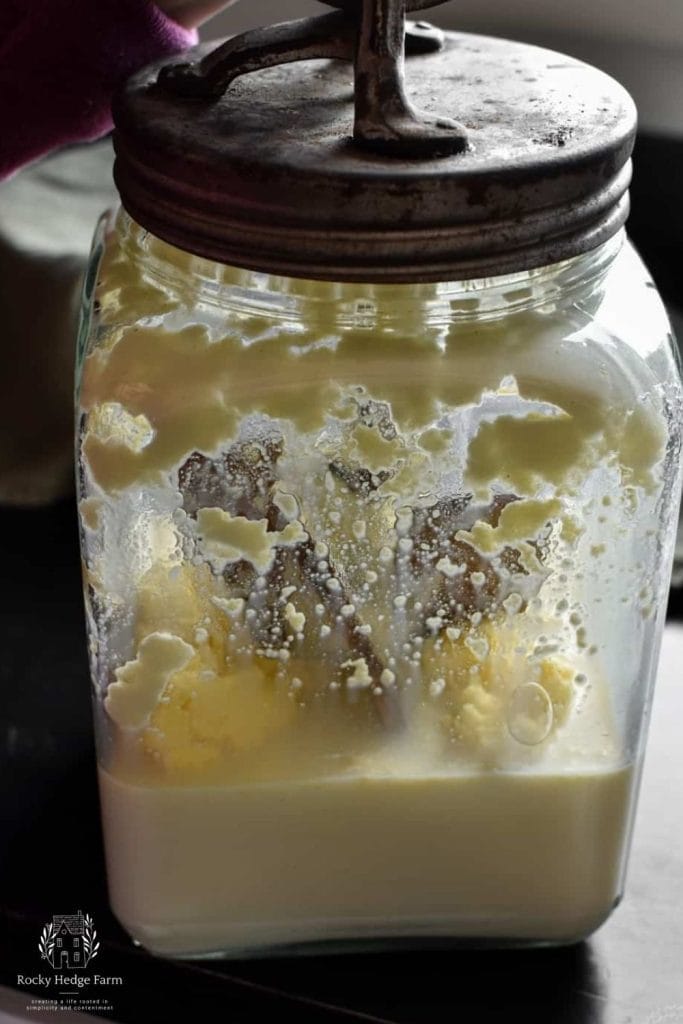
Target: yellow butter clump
[140,683]
[492,695]
[205,717]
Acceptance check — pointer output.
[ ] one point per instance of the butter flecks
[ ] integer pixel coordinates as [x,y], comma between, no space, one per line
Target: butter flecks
[526,452]
[177,600]
[232,606]
[484,707]
[360,678]
[209,716]
[519,521]
[287,503]
[193,386]
[163,379]
[641,445]
[111,423]
[295,619]
[225,538]
[139,683]
[191,392]
[373,451]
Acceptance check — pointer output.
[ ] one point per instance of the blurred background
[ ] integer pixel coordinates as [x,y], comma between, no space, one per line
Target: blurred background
[639,43]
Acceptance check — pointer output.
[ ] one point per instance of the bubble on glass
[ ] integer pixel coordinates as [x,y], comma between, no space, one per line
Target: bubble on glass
[530,714]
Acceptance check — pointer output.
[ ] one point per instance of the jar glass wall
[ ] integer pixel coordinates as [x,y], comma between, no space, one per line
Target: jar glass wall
[375,583]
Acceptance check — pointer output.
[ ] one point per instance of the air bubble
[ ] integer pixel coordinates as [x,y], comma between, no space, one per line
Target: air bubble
[530,714]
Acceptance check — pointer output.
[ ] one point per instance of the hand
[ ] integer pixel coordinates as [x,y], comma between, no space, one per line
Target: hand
[191,13]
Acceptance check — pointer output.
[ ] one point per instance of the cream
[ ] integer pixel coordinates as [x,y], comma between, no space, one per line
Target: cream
[528,856]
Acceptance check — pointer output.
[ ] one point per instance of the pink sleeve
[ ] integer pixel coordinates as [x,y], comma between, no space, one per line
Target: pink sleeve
[60,63]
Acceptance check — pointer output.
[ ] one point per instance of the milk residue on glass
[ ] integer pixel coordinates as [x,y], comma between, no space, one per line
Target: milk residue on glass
[352,556]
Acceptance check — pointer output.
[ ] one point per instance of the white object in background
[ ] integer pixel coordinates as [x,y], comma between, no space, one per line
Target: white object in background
[47,215]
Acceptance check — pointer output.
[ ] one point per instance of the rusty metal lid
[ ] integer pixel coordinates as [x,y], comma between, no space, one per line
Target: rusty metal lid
[267,174]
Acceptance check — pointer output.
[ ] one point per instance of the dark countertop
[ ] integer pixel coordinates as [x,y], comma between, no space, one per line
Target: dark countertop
[631,972]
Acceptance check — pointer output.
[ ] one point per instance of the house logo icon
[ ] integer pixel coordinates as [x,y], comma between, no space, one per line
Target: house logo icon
[69,941]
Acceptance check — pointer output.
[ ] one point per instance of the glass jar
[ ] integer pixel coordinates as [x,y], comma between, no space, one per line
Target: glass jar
[376,576]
